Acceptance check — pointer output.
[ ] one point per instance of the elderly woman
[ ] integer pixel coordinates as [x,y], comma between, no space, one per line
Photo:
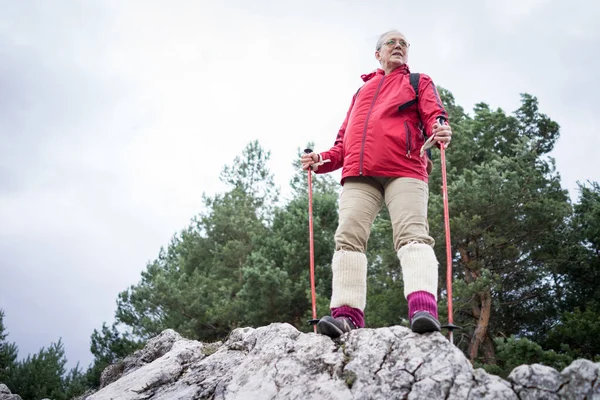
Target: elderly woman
[378,148]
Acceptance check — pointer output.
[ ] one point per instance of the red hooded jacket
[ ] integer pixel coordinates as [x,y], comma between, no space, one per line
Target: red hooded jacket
[376,139]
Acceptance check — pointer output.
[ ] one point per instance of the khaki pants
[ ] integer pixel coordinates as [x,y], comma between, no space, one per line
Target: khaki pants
[361,200]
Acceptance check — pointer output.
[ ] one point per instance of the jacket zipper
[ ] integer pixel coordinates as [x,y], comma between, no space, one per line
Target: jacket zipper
[408,135]
[362,148]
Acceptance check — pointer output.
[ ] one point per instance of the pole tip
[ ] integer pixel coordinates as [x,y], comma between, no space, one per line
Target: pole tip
[450,327]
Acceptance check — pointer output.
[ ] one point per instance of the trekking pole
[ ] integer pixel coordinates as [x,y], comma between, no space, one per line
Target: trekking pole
[450,326]
[313,321]
[430,142]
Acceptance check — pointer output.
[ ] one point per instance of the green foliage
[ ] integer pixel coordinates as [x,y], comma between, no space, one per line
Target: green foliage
[107,346]
[512,352]
[243,261]
[587,217]
[577,273]
[193,286]
[580,272]
[268,288]
[75,383]
[288,247]
[41,375]
[508,216]
[385,290]
[577,332]
[8,353]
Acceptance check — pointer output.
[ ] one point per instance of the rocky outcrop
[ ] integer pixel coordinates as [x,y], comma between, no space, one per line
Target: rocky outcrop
[5,393]
[279,362]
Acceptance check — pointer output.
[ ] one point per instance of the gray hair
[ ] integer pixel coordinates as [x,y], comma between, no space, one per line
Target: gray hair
[379,44]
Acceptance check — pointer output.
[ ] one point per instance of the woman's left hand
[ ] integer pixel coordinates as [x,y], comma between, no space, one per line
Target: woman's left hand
[442,133]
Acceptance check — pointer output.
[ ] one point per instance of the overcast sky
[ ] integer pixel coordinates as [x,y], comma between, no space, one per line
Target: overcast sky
[115,117]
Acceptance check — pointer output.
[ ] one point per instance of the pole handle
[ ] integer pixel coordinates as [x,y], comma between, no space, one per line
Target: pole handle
[442,121]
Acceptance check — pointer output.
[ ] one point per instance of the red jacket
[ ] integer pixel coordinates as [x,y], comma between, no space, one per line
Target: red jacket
[378,140]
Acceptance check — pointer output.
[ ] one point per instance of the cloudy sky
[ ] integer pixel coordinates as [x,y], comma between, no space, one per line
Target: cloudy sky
[115,117]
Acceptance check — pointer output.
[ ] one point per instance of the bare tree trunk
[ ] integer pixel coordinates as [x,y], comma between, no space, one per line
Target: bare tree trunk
[481,311]
[489,351]
[480,334]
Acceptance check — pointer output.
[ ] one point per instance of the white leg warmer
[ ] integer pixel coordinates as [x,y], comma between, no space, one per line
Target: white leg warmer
[349,280]
[419,268]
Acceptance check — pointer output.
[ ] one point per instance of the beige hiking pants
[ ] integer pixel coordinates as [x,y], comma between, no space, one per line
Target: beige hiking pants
[360,201]
[363,197]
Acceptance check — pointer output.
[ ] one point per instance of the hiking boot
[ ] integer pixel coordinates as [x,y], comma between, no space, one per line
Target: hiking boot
[423,322]
[334,327]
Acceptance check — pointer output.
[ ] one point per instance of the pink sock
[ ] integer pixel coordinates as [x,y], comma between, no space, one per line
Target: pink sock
[422,301]
[356,315]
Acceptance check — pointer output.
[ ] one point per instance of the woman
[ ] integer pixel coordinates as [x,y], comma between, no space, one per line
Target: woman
[378,148]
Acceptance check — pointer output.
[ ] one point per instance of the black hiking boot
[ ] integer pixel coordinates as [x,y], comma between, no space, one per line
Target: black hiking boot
[423,322]
[334,327]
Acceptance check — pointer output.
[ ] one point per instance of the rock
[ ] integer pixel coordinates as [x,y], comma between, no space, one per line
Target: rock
[279,362]
[536,382]
[582,376]
[154,349]
[5,393]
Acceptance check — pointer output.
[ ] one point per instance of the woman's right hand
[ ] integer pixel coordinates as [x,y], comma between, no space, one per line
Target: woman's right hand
[309,160]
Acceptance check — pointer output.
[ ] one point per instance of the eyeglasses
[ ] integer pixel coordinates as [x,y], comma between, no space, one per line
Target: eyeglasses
[392,43]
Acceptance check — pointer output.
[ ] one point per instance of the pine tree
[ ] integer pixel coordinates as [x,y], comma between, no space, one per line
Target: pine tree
[194,285]
[8,353]
[507,212]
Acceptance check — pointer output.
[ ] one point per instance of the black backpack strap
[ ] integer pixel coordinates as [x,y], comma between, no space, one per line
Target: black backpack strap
[414,82]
